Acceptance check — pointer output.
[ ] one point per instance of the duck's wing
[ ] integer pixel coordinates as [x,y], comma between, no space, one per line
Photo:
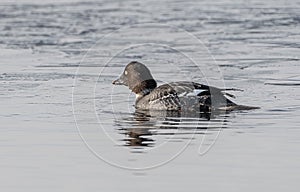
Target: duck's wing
[208,95]
[185,88]
[202,96]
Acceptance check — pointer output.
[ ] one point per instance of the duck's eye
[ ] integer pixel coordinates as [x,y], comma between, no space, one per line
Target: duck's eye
[125,72]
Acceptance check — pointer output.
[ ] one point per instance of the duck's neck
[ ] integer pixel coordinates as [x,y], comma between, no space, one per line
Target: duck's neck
[144,88]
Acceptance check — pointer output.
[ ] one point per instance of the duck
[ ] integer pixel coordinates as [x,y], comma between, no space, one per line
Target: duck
[175,96]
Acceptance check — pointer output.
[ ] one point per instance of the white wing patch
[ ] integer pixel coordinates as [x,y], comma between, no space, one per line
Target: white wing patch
[194,93]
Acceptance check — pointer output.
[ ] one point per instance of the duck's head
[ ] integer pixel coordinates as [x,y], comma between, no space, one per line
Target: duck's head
[137,77]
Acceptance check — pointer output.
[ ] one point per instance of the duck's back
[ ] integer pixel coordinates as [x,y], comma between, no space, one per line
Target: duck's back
[188,96]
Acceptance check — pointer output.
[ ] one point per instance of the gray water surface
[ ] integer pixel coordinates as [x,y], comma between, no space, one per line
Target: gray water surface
[65,127]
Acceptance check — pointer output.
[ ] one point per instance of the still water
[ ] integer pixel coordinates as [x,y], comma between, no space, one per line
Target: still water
[65,127]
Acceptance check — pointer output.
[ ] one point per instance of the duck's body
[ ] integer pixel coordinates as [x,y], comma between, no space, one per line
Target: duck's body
[175,96]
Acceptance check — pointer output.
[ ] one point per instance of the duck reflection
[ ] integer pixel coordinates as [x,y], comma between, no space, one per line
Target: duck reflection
[141,127]
[138,137]
[139,133]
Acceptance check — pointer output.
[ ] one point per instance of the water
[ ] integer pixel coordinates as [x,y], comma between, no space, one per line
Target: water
[55,66]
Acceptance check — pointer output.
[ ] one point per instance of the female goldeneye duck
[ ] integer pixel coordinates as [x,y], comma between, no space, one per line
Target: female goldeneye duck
[175,96]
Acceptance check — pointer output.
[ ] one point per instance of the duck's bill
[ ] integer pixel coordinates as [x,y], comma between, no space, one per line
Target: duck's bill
[119,81]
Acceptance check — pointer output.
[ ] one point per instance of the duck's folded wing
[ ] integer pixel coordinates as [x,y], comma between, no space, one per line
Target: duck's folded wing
[185,88]
[197,94]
